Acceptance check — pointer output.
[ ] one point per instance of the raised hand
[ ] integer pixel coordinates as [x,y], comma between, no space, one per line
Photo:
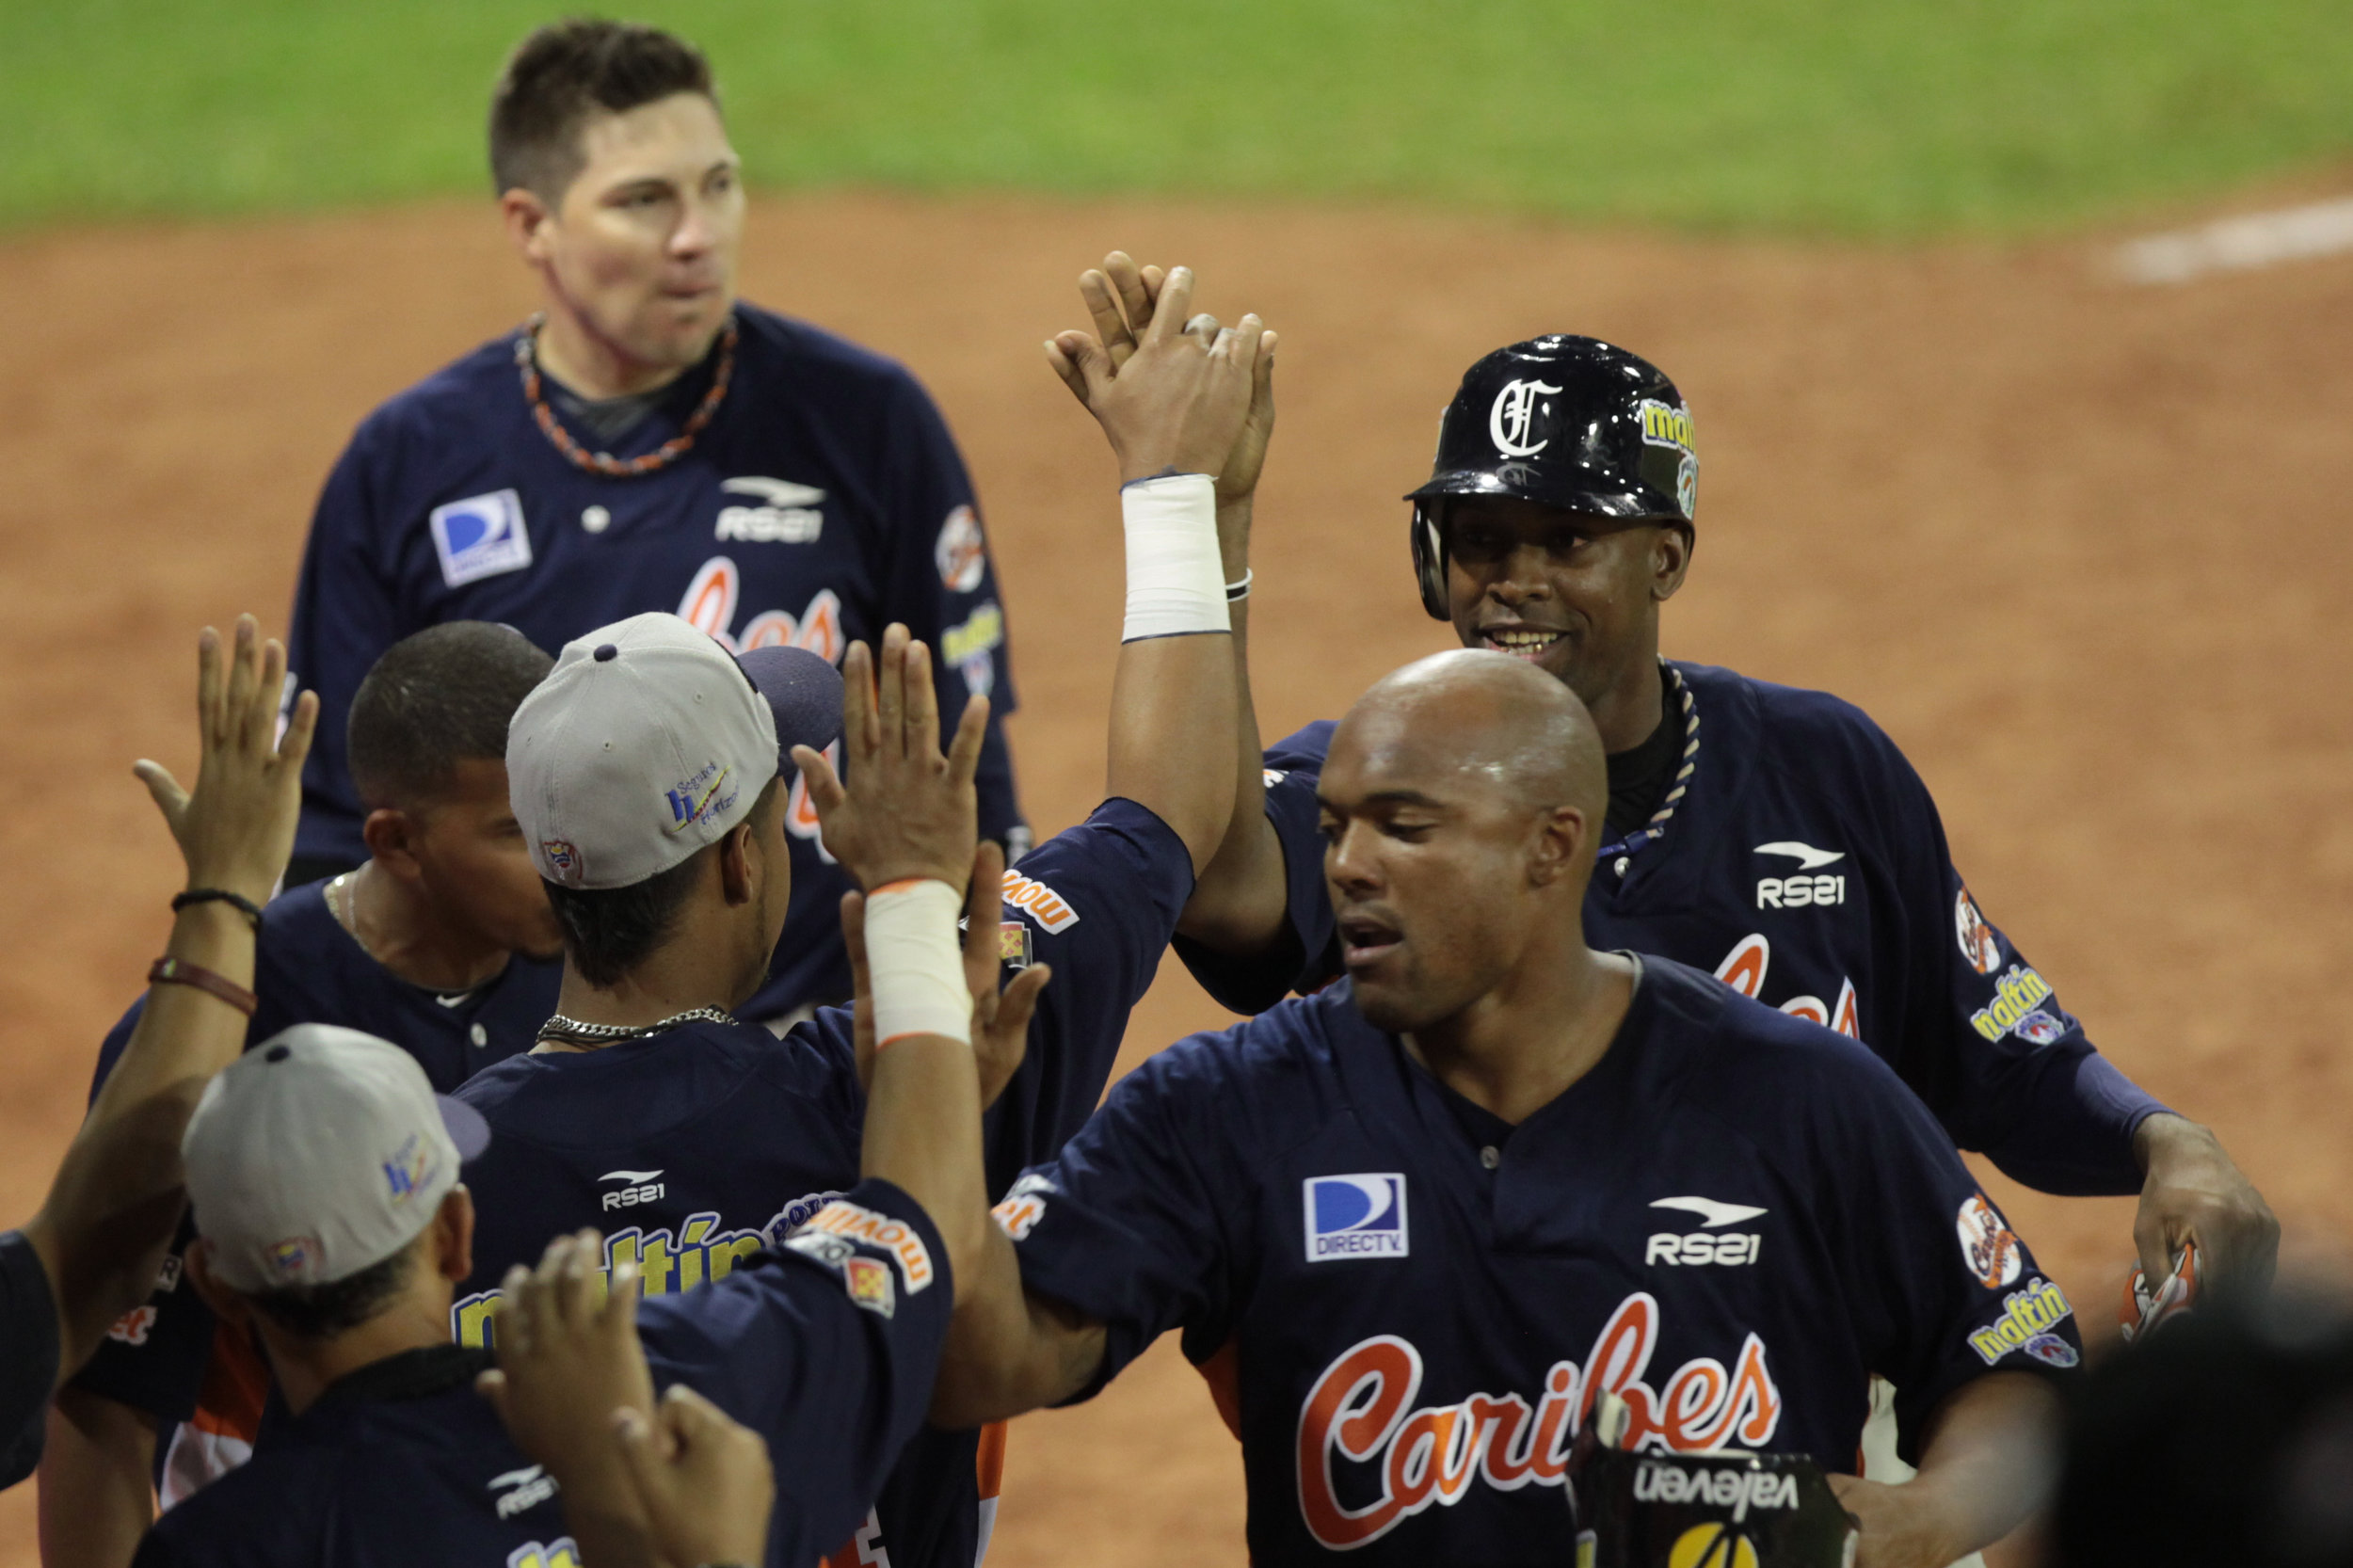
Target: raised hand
[703,1480]
[1000,1033]
[904,810]
[1122,299]
[1169,398]
[237,827]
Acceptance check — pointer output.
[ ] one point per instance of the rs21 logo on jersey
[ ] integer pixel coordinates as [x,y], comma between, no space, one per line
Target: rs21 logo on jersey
[1355,1216]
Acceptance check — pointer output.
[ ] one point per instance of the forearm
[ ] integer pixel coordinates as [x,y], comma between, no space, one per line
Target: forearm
[923,1136]
[1008,1352]
[1240,897]
[118,1193]
[2076,1130]
[1173,690]
[96,1499]
[1988,1461]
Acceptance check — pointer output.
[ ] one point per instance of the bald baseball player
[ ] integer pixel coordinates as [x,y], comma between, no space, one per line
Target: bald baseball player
[326,1182]
[1413,1226]
[1773,837]
[444,938]
[647,441]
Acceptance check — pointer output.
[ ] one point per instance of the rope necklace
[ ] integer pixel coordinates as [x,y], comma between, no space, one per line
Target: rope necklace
[527,361]
[571,1031]
[1652,831]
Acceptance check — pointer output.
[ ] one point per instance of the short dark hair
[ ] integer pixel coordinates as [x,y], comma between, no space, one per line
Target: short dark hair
[442,696]
[568,71]
[324,1311]
[608,931]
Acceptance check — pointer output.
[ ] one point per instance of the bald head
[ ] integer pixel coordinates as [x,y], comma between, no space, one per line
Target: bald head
[1459,800]
[1486,717]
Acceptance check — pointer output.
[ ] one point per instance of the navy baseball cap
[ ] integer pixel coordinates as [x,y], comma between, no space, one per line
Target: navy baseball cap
[649,739]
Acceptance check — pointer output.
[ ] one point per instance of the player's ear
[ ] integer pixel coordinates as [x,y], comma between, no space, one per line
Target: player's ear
[453,1235]
[527,217]
[391,835]
[736,854]
[226,1304]
[1671,560]
[1559,842]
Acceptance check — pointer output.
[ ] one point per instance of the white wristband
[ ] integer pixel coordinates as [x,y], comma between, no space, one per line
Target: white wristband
[913,962]
[1175,581]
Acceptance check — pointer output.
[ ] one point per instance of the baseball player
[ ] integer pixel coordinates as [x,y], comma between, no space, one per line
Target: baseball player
[444,937]
[1773,837]
[1412,1227]
[325,1175]
[647,1110]
[647,441]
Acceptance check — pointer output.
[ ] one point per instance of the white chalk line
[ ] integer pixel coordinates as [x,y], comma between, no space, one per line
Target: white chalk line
[2240,243]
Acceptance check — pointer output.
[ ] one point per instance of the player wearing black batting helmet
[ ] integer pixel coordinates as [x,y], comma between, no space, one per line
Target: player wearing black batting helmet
[1562,421]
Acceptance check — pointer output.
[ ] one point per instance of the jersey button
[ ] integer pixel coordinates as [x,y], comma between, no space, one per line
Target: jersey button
[479,1036]
[1491,1157]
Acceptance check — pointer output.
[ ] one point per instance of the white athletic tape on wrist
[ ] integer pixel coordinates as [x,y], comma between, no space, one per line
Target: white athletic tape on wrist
[1175,580]
[913,962]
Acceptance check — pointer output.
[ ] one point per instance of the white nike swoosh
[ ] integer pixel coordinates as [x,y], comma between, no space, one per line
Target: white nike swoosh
[1711,1213]
[514,1478]
[1806,856]
[629,1175]
[456,1000]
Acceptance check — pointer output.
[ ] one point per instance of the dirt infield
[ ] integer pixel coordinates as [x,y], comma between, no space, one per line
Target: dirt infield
[2078,546]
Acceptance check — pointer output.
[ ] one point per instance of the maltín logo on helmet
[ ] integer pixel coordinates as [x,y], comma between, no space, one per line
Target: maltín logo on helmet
[1355,1216]
[1515,409]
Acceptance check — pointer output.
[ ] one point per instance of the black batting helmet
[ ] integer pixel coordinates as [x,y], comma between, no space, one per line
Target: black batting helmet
[1565,422]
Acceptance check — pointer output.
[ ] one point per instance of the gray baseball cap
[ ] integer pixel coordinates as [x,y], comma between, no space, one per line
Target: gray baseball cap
[319,1153]
[648,740]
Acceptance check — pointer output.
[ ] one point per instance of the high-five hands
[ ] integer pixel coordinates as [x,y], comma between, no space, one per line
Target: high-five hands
[237,827]
[1171,394]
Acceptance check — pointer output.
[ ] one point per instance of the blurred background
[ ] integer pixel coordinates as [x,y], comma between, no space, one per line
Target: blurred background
[2014,336]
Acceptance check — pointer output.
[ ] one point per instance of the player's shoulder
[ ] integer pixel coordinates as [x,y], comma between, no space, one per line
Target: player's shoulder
[1100,866]
[270,1509]
[639,1089]
[1794,729]
[1304,749]
[1765,1070]
[1274,1077]
[819,362]
[453,398]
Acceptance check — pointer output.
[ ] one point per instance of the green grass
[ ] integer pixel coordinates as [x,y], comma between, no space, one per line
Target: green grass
[1876,117]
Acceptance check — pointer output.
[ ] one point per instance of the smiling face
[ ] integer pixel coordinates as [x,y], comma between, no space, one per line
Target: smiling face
[641,250]
[1573,594]
[1456,804]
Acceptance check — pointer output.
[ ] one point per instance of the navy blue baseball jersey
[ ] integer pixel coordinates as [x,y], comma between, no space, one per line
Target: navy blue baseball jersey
[827,1348]
[1732,1222]
[823,500]
[692,1148]
[1802,860]
[308,969]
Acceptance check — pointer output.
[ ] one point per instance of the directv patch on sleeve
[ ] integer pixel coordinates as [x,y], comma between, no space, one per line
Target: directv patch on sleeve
[1355,1216]
[481,536]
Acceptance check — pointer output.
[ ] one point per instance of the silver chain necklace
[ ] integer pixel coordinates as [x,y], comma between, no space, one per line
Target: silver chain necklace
[573,1031]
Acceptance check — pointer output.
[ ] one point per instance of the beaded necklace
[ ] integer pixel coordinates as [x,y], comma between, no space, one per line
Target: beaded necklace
[527,361]
[1652,831]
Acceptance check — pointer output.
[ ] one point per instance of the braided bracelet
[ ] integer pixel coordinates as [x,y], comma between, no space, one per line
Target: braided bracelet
[179,972]
[246,907]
